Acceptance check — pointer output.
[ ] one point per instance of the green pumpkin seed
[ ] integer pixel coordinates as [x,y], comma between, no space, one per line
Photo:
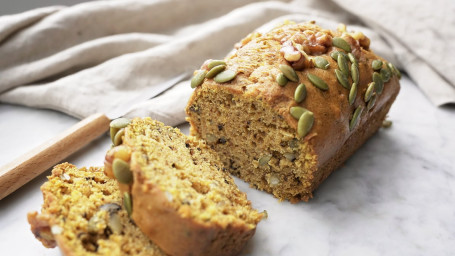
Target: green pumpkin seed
[321,62]
[281,79]
[335,54]
[122,172]
[289,73]
[386,74]
[119,123]
[352,59]
[343,64]
[318,82]
[342,78]
[225,76]
[386,123]
[215,63]
[300,93]
[305,123]
[369,92]
[116,125]
[289,156]
[376,64]
[355,73]
[118,138]
[372,101]
[352,93]
[128,203]
[355,117]
[198,78]
[264,160]
[215,71]
[341,43]
[297,112]
[379,83]
[394,70]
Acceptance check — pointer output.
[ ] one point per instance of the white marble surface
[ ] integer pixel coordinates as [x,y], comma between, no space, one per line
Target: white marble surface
[395,196]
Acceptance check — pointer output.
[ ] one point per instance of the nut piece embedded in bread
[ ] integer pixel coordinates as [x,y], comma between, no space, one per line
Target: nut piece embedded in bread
[180,195]
[82,215]
[302,101]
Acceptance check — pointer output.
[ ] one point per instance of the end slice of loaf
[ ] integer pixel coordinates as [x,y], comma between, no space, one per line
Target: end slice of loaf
[248,122]
[81,214]
[182,198]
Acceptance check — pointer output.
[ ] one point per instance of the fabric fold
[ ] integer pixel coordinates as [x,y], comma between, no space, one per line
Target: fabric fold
[95,56]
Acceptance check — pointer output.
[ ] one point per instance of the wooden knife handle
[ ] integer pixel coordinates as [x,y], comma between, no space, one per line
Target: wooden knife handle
[25,168]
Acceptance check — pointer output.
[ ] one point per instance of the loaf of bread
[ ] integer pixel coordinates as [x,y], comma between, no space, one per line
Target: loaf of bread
[82,214]
[182,198]
[289,106]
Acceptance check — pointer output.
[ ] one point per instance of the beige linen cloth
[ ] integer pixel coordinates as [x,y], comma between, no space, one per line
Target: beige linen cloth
[95,56]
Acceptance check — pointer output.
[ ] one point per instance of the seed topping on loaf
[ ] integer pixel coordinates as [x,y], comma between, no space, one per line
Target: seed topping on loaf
[300,48]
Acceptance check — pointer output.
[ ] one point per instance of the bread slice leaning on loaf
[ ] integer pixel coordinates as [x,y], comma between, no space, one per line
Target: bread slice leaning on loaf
[82,215]
[182,198]
[289,106]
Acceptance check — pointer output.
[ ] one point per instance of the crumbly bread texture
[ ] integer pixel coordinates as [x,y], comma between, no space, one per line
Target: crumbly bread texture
[182,198]
[81,214]
[247,120]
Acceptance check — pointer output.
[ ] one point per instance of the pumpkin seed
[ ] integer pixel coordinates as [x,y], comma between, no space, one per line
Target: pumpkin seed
[335,54]
[343,64]
[289,156]
[119,123]
[352,93]
[386,74]
[128,203]
[215,71]
[225,76]
[341,43]
[198,78]
[394,70]
[342,78]
[376,64]
[215,63]
[118,138]
[264,160]
[122,171]
[116,125]
[289,73]
[321,62]
[296,112]
[355,73]
[379,83]
[305,123]
[372,101]
[386,123]
[318,82]
[355,117]
[352,59]
[369,91]
[300,93]
[281,79]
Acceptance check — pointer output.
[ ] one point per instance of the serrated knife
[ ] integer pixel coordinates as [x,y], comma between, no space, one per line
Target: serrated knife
[33,163]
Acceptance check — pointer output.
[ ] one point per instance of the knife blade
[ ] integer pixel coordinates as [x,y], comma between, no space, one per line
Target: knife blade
[23,169]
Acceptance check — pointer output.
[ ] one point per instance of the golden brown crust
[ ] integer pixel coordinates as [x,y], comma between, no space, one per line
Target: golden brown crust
[178,235]
[257,61]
